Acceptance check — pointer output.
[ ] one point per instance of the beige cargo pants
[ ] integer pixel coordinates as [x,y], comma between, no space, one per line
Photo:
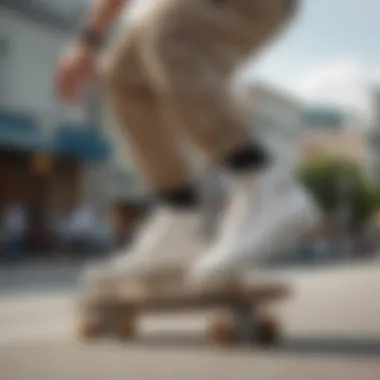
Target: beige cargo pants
[169,79]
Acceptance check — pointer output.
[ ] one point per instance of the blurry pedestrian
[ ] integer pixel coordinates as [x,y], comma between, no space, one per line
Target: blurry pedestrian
[14,228]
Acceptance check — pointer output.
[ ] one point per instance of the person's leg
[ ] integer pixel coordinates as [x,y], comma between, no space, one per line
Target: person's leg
[191,57]
[137,110]
[192,48]
[168,236]
[268,209]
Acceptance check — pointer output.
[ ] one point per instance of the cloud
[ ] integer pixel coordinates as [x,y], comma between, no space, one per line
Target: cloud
[342,83]
[339,81]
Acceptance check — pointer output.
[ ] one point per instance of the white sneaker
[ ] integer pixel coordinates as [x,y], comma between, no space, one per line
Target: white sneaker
[95,279]
[266,214]
[164,246]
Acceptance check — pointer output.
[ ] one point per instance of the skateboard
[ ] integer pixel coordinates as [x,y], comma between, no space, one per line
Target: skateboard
[240,312]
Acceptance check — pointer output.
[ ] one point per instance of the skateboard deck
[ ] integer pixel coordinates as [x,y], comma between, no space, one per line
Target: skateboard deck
[239,311]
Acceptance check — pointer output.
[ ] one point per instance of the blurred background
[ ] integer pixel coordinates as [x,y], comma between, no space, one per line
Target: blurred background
[65,180]
[69,189]
[70,193]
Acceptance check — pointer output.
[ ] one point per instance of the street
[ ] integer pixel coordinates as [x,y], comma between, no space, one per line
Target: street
[332,331]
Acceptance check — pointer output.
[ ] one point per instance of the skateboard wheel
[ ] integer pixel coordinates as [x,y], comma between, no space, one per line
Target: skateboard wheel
[222,331]
[267,330]
[89,330]
[125,324]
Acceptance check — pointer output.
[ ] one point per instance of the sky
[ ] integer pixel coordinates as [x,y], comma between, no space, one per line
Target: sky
[329,55]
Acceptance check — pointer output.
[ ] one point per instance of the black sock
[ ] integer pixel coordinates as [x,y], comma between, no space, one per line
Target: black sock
[249,158]
[185,197]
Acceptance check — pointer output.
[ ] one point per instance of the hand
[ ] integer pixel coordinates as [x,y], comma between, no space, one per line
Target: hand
[76,70]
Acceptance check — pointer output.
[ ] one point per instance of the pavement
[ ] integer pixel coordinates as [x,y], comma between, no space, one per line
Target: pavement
[331,331]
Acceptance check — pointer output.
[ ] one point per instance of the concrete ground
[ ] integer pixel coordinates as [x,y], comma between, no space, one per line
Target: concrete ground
[331,324]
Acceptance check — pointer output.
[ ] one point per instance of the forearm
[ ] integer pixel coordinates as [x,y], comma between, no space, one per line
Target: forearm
[104,15]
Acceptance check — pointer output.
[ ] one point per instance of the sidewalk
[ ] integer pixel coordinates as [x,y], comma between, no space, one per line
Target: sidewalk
[63,276]
[40,276]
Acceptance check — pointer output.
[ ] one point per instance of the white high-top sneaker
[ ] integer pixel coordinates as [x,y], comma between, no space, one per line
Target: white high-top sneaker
[265,214]
[164,247]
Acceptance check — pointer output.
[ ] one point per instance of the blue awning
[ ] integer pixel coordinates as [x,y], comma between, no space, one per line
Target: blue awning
[22,132]
[81,143]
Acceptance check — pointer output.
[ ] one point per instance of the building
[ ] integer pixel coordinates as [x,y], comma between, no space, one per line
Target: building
[32,36]
[47,153]
[374,133]
[376,106]
[277,119]
[328,132]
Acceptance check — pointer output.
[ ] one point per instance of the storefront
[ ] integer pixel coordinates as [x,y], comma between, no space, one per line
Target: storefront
[43,174]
